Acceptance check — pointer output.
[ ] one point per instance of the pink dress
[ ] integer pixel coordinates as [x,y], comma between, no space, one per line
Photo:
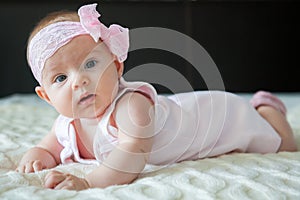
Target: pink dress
[188,126]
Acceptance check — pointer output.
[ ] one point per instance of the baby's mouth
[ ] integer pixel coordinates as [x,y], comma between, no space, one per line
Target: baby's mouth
[87,99]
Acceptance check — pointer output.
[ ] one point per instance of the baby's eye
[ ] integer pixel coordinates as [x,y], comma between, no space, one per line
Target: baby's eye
[60,78]
[90,64]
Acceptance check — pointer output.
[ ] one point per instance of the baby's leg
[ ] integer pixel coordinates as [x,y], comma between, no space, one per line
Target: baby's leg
[273,110]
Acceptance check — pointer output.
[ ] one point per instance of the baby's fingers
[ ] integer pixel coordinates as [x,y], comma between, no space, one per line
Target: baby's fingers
[53,178]
[31,166]
[37,165]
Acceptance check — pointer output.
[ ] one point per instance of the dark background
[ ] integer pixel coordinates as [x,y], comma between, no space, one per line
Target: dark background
[253,43]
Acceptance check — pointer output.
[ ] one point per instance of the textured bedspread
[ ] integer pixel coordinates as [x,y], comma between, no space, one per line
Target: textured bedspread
[24,119]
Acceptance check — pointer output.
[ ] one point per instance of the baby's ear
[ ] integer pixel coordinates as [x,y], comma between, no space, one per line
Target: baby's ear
[40,91]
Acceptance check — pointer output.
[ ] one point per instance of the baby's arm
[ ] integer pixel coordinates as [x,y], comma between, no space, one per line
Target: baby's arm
[44,155]
[134,117]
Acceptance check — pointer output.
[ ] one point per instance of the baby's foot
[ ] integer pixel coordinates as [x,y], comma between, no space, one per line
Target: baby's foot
[266,98]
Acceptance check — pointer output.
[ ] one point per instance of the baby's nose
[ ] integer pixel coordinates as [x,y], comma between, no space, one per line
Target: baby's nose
[80,81]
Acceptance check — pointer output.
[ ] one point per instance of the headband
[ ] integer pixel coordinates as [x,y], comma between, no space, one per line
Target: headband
[52,37]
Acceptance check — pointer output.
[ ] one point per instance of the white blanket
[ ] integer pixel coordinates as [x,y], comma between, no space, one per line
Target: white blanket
[24,120]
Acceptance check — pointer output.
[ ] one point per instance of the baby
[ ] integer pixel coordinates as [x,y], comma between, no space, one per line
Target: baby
[122,126]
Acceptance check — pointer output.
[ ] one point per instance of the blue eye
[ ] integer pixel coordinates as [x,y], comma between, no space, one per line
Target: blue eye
[90,64]
[60,78]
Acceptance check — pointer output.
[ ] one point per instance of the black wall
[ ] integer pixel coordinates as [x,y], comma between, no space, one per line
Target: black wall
[253,43]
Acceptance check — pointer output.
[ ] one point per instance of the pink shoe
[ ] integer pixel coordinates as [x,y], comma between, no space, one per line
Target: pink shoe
[266,98]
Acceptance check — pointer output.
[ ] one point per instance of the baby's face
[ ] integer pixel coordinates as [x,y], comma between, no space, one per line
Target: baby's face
[81,78]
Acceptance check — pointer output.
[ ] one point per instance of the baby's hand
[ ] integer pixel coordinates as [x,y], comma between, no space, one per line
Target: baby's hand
[58,180]
[30,166]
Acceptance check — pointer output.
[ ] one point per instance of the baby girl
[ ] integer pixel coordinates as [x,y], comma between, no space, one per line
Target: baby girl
[121,126]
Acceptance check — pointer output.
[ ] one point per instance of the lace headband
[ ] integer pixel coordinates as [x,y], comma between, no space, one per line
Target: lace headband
[52,37]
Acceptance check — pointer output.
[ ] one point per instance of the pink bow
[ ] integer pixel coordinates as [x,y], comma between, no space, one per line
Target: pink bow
[115,37]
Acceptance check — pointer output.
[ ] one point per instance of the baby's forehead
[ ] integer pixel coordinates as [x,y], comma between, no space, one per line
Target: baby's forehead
[82,46]
[76,54]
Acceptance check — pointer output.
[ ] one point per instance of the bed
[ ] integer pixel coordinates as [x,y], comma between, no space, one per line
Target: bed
[25,119]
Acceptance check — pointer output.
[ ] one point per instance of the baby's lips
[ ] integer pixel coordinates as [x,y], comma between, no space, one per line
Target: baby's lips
[87,98]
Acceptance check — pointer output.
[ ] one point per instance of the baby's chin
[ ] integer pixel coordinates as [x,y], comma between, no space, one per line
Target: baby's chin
[91,113]
[80,115]
[86,116]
